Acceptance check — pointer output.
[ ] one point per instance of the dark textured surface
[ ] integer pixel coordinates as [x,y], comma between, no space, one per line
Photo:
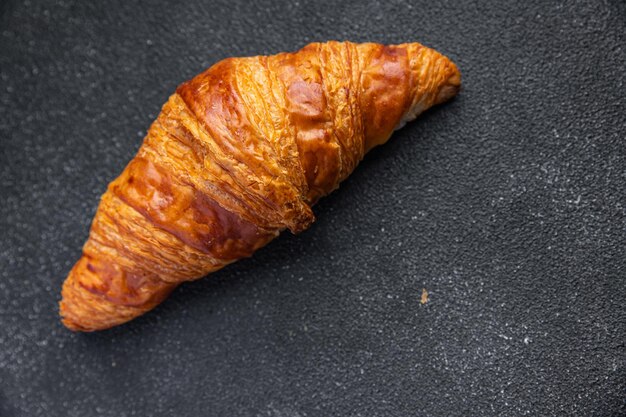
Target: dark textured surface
[508,205]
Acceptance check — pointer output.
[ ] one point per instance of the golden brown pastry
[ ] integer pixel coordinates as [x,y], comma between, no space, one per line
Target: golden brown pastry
[237,155]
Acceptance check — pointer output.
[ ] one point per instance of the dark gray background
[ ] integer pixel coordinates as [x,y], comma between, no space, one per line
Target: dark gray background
[508,205]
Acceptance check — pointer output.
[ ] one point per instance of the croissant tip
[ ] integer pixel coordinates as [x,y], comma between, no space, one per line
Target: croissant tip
[452,84]
[85,309]
[82,311]
[70,324]
[80,320]
[71,317]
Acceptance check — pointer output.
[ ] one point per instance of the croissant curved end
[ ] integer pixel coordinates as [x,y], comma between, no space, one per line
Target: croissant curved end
[85,308]
[452,85]
[445,83]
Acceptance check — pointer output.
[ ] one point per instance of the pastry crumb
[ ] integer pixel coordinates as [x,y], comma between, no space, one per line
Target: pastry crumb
[424,299]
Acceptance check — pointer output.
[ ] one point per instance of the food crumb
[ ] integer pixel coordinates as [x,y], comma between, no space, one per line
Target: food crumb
[424,299]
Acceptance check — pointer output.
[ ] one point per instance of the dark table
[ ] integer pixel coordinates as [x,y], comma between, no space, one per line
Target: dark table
[507,205]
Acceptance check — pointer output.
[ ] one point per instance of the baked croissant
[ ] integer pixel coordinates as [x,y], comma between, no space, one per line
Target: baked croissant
[237,155]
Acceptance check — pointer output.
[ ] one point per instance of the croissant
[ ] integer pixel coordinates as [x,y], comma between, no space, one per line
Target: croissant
[237,155]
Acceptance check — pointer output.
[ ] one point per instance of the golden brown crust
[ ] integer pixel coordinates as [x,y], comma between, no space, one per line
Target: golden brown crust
[238,154]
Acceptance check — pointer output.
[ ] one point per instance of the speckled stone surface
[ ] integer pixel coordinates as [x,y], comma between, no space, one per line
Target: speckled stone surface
[508,205]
